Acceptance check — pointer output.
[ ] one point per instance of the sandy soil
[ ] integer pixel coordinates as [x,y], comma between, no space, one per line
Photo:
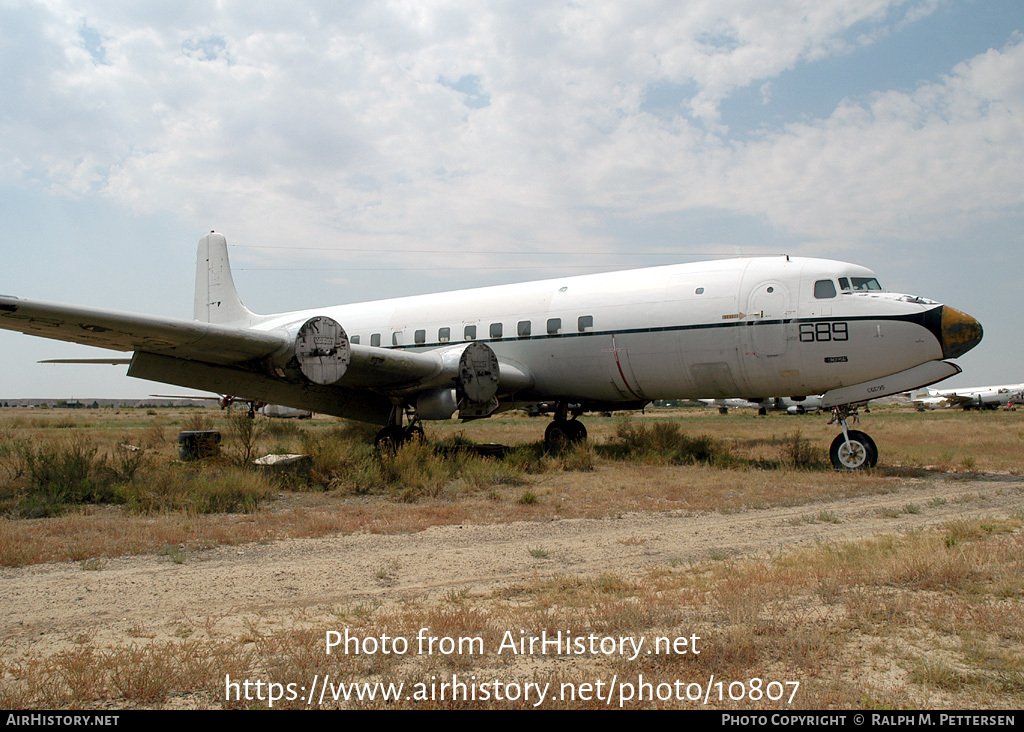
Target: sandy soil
[46,607]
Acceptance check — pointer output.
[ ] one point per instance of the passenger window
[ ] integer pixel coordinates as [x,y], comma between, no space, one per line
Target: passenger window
[585,323]
[420,336]
[375,339]
[444,335]
[470,333]
[824,289]
[495,330]
[396,338]
[523,329]
[554,326]
[354,339]
[699,291]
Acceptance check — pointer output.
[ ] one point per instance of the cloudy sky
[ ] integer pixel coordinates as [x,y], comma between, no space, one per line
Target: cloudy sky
[356,150]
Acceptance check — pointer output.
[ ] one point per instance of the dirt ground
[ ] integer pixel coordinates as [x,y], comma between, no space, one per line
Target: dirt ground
[47,607]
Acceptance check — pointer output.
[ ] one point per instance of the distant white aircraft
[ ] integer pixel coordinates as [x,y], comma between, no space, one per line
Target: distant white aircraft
[748,328]
[226,401]
[790,405]
[972,397]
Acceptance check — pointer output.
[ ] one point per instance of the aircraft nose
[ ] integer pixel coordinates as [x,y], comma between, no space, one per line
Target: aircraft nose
[960,332]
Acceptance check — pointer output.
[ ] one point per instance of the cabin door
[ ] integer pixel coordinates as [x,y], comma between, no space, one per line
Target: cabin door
[766,319]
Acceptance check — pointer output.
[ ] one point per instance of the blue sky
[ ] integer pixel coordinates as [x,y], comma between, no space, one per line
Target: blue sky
[358,150]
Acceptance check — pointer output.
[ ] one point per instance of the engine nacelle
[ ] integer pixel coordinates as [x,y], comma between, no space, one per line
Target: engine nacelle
[467,382]
[322,350]
[437,404]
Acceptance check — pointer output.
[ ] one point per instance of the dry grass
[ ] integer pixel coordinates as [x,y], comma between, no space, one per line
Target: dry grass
[929,619]
[663,460]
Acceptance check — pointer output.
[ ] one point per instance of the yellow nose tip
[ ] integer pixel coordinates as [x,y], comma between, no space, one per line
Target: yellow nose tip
[960,332]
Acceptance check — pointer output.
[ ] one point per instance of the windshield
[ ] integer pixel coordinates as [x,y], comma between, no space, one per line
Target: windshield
[859,284]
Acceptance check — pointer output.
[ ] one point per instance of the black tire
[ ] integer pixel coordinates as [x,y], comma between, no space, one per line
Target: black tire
[415,433]
[577,431]
[564,432]
[556,436]
[389,439]
[860,454]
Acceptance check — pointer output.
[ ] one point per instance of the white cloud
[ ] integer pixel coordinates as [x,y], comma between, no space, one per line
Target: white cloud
[320,123]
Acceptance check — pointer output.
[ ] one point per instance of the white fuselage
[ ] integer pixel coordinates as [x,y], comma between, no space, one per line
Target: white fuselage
[752,328]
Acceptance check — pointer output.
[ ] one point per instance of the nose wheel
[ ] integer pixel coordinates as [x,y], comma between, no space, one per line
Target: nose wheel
[851,449]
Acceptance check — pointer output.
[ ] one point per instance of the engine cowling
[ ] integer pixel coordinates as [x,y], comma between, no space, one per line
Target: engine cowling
[479,372]
[322,350]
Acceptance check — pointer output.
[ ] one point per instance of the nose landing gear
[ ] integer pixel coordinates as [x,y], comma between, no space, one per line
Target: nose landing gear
[851,449]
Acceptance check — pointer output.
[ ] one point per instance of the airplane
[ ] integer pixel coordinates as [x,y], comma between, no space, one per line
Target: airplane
[790,405]
[744,327]
[226,401]
[971,397]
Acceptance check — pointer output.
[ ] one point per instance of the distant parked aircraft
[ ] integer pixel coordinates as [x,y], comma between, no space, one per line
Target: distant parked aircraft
[274,411]
[790,405]
[970,397]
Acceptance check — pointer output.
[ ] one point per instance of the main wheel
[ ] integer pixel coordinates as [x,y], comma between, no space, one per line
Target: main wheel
[858,454]
[577,430]
[389,439]
[414,433]
[563,432]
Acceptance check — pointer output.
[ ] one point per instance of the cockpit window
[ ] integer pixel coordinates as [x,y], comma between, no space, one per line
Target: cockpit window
[824,289]
[861,284]
[865,283]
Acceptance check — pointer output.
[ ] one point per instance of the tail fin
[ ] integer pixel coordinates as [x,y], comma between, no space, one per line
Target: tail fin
[217,300]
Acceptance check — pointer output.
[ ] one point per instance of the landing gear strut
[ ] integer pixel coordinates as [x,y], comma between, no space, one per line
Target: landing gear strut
[852,449]
[564,431]
[394,434]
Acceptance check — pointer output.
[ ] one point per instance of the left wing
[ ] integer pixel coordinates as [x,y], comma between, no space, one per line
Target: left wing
[121,331]
[308,365]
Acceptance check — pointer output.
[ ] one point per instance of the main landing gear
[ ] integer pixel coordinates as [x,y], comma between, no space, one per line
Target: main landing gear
[852,449]
[564,431]
[394,434]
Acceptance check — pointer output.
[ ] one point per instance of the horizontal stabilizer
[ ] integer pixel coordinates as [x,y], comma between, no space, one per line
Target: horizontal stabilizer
[107,361]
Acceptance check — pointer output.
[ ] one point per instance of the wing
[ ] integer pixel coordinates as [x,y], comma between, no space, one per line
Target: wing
[960,400]
[121,331]
[292,365]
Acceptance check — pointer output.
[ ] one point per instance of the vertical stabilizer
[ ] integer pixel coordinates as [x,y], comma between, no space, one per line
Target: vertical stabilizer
[217,300]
